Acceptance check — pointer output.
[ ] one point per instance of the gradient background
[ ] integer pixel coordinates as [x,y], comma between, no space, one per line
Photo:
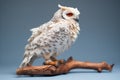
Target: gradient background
[99,38]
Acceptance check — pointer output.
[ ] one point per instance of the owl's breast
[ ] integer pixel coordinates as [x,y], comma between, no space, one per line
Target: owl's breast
[68,37]
[57,39]
[73,30]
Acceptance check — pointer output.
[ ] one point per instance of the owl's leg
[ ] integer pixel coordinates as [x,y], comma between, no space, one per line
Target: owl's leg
[53,58]
[59,62]
[48,60]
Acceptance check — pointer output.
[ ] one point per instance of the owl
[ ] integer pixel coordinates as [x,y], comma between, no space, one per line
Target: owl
[54,37]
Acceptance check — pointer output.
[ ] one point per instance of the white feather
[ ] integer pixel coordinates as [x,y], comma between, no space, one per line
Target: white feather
[55,36]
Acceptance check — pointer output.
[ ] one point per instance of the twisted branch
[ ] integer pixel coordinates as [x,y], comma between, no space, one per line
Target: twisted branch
[63,68]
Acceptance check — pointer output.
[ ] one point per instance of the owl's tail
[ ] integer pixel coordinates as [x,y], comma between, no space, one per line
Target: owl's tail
[28,59]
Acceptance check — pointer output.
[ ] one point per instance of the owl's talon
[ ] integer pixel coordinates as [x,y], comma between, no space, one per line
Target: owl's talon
[62,61]
[29,64]
[55,63]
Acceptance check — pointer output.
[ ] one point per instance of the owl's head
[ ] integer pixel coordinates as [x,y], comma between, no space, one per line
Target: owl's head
[69,13]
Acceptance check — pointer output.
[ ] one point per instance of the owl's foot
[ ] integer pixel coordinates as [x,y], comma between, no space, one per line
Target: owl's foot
[55,62]
[29,64]
[61,61]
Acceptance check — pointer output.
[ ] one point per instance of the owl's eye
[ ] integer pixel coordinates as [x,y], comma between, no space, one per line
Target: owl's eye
[69,14]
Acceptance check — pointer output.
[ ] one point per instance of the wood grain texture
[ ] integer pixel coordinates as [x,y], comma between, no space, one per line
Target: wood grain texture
[63,68]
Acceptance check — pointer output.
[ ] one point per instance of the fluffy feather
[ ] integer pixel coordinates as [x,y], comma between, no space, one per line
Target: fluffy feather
[53,37]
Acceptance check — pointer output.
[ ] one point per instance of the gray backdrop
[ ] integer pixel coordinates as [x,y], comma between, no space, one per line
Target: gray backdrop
[99,38]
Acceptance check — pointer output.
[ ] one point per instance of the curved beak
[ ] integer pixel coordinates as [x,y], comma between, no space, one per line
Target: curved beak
[77,19]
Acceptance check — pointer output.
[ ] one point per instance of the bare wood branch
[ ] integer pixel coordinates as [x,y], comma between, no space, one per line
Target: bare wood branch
[63,68]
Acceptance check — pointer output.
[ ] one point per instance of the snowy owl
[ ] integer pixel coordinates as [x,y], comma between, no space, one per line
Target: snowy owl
[52,38]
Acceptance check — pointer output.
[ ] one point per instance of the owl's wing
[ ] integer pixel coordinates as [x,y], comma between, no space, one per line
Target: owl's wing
[59,27]
[37,31]
[55,37]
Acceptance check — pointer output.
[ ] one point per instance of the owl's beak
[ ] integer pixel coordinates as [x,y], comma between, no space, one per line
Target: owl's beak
[77,20]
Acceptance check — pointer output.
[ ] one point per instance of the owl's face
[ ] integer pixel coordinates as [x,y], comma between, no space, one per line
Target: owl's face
[69,13]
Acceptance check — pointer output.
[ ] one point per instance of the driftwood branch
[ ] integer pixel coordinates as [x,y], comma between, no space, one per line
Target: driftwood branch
[63,68]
